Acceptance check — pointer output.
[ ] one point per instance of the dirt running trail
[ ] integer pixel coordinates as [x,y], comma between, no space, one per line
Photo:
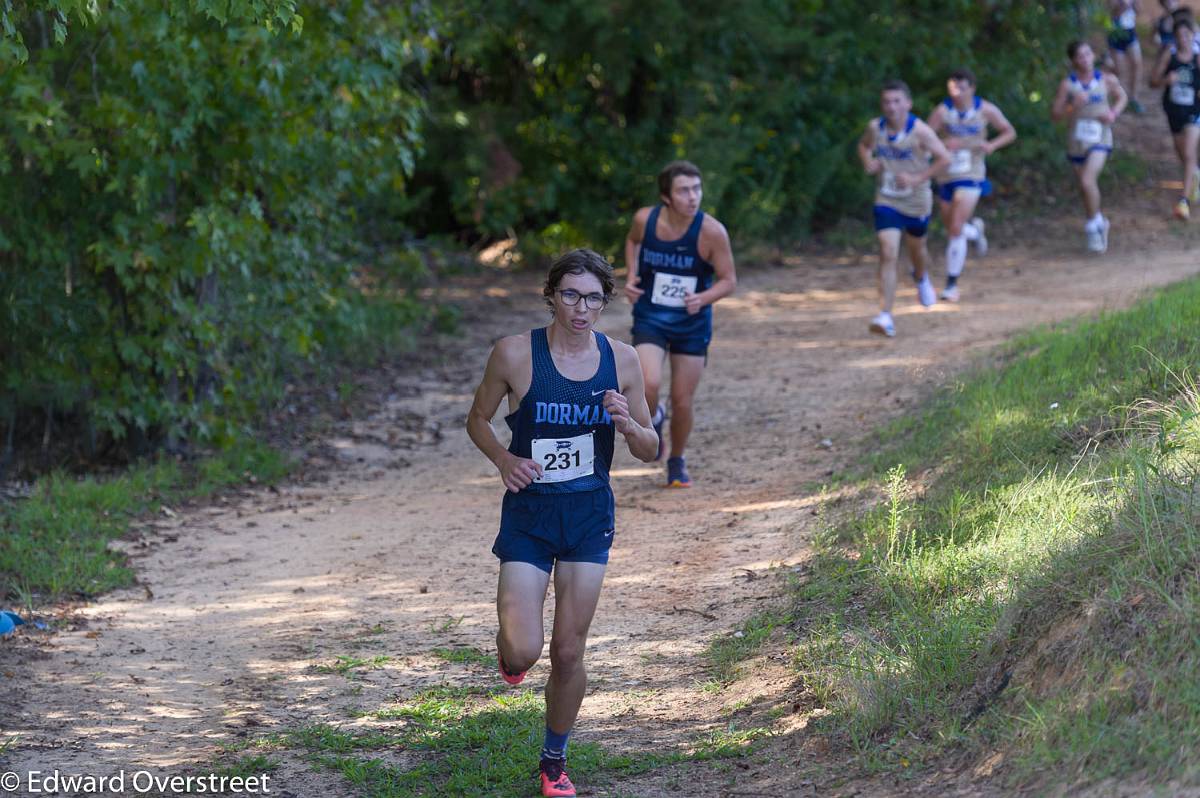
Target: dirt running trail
[390,556]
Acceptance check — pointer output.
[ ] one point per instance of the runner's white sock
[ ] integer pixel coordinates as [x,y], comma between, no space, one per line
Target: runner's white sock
[956,255]
[1095,223]
[971,232]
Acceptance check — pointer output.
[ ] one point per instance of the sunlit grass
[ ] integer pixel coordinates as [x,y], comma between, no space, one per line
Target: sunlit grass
[1057,497]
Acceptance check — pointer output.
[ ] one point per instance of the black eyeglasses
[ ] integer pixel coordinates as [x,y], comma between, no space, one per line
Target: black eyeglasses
[571,298]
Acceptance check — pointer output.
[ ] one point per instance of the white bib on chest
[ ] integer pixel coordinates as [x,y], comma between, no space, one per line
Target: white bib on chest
[1089,131]
[670,289]
[564,459]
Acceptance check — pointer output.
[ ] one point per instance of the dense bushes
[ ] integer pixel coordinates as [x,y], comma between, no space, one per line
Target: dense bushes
[196,194]
[183,207]
[553,118]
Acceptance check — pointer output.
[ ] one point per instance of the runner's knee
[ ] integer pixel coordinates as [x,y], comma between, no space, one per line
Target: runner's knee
[680,403]
[566,653]
[520,652]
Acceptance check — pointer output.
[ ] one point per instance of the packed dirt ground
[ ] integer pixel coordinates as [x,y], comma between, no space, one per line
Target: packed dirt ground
[389,534]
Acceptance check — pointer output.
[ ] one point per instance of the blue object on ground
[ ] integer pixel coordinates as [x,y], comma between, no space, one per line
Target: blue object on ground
[8,622]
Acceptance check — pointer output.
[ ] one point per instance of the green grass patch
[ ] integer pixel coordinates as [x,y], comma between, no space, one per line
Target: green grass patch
[247,766]
[726,652]
[468,741]
[346,665]
[1029,577]
[463,655]
[55,543]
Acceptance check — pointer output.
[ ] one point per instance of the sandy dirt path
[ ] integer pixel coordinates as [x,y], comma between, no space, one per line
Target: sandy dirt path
[238,602]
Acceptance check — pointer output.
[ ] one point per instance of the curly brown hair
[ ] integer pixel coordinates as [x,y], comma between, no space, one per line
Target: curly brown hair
[579,261]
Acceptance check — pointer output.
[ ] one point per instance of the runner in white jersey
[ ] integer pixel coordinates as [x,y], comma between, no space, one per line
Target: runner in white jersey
[963,120]
[1124,46]
[903,153]
[1089,101]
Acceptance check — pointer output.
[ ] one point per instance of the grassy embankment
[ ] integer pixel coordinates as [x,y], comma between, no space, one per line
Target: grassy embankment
[1025,576]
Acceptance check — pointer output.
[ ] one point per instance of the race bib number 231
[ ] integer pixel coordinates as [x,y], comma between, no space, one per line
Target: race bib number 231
[564,459]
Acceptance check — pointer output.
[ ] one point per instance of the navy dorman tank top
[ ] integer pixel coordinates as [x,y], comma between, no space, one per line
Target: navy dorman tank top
[562,423]
[669,269]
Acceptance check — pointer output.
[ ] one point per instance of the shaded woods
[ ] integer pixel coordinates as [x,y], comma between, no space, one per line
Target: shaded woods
[202,199]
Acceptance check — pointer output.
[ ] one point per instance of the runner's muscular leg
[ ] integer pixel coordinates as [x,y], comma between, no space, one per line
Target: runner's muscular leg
[889,254]
[1089,181]
[961,210]
[1185,148]
[576,593]
[652,357]
[918,252]
[520,595]
[1121,67]
[944,213]
[686,371]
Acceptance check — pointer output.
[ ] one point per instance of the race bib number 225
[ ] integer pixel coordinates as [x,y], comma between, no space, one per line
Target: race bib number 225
[670,289]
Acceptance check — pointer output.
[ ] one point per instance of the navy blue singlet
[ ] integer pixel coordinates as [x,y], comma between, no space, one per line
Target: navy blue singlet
[557,408]
[679,257]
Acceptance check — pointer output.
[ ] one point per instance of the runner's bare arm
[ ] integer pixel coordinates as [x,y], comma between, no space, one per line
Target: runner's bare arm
[1061,109]
[628,409]
[633,248]
[866,150]
[941,156]
[1005,132]
[498,378]
[715,248]
[937,120]
[1115,89]
[1159,76]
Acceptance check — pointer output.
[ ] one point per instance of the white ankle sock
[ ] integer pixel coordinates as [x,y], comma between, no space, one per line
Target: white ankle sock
[956,255]
[970,232]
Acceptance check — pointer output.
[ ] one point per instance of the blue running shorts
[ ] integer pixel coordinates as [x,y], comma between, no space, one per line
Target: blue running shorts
[542,528]
[889,218]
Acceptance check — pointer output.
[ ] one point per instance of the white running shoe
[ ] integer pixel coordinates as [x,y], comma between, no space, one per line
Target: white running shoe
[1104,233]
[981,242]
[1095,239]
[950,294]
[883,325]
[926,292]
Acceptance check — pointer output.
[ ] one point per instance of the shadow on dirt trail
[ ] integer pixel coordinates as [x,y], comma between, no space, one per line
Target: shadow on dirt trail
[389,558]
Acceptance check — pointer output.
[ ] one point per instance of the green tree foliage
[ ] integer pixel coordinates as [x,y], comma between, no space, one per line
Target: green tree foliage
[555,116]
[195,194]
[183,203]
[46,19]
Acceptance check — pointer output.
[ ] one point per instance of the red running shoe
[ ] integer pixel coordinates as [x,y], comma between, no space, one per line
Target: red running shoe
[555,783]
[511,678]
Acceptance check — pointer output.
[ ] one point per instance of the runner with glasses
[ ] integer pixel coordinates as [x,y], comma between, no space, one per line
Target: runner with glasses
[680,263]
[570,390]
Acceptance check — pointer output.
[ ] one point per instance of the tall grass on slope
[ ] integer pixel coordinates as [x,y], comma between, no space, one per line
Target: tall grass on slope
[1038,591]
